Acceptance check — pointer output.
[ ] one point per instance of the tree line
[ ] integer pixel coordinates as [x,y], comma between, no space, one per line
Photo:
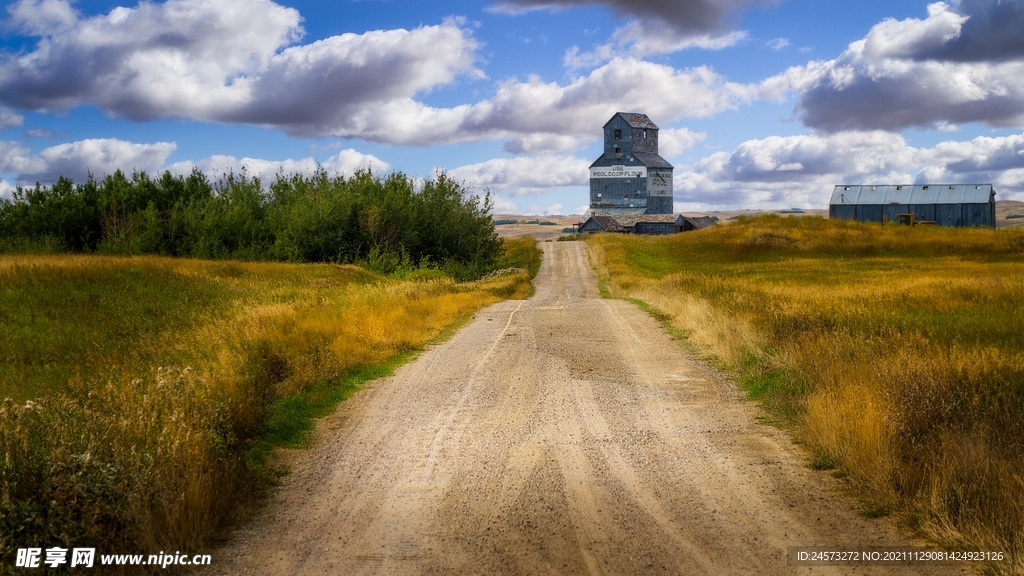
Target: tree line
[386,222]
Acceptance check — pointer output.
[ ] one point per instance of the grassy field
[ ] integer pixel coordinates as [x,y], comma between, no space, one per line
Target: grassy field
[143,395]
[895,354]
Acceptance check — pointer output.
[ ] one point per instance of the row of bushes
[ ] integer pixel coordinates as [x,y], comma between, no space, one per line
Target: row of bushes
[387,222]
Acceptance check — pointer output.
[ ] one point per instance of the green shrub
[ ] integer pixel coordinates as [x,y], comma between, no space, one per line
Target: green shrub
[384,221]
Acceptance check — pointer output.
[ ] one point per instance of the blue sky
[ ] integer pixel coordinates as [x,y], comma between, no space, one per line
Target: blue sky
[762,103]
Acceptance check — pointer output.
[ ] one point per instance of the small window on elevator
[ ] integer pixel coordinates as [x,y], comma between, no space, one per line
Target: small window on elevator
[618,134]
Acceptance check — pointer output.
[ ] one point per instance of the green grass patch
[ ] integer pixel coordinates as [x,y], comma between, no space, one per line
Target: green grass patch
[873,511]
[520,253]
[771,383]
[602,287]
[291,420]
[821,462]
[661,316]
[780,391]
[95,316]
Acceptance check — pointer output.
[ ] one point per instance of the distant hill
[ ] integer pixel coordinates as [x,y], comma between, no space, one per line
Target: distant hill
[1005,212]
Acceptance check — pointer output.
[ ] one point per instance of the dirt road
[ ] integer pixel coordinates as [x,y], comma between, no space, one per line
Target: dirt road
[565,434]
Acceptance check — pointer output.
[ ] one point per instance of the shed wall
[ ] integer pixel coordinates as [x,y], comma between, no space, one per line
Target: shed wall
[654,228]
[978,215]
[924,212]
[889,211]
[948,215]
[869,212]
[843,211]
[955,215]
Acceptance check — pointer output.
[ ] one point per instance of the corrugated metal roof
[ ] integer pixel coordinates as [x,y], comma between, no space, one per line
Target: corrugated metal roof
[636,120]
[912,194]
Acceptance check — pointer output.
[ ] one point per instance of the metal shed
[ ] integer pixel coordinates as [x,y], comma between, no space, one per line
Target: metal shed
[687,223]
[601,224]
[944,204]
[631,223]
[649,223]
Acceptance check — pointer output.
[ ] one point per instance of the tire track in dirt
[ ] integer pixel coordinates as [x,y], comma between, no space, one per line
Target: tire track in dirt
[564,434]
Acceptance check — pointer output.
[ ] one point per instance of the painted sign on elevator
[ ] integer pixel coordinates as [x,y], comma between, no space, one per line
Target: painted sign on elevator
[619,172]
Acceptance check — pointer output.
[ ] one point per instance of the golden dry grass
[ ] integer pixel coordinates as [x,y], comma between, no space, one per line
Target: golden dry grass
[137,388]
[895,354]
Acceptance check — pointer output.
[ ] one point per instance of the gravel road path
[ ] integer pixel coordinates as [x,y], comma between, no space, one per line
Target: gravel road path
[565,434]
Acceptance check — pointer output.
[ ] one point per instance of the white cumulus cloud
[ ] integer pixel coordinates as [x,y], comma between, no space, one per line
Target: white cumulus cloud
[524,175]
[552,210]
[962,63]
[76,160]
[242,61]
[100,157]
[225,61]
[504,206]
[542,142]
[42,17]
[10,119]
[344,163]
[640,38]
[779,172]
[532,107]
[675,141]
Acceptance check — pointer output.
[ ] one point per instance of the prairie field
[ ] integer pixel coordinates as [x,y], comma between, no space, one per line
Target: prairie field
[143,396]
[895,354]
